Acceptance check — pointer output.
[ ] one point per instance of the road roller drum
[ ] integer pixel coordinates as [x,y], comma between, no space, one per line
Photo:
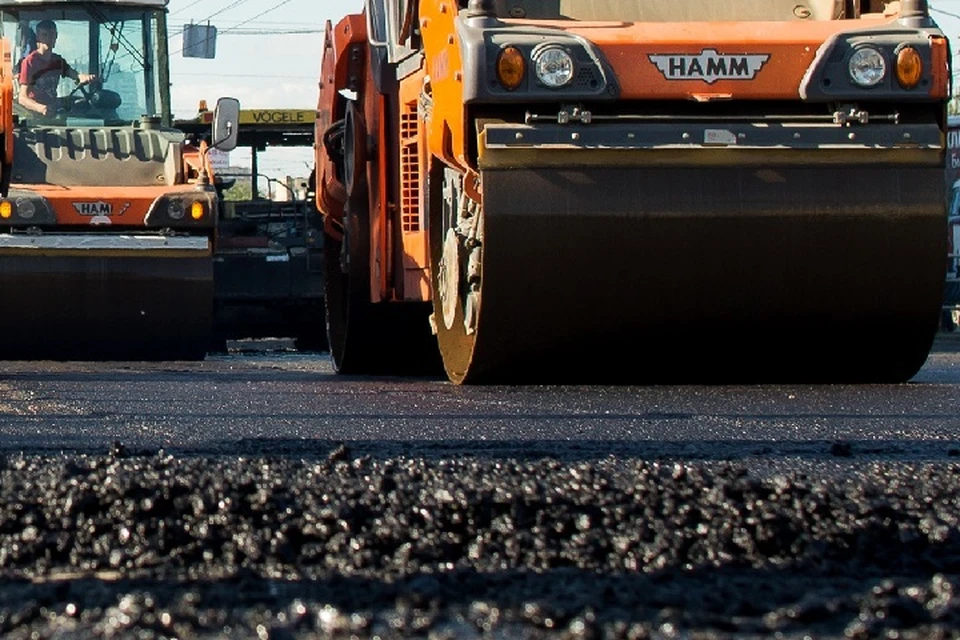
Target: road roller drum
[107,298]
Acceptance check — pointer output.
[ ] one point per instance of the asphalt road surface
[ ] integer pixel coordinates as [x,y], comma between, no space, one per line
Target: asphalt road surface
[258,494]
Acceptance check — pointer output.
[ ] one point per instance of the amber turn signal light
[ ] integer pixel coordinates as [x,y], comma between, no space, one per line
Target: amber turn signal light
[511,68]
[6,209]
[909,67]
[196,210]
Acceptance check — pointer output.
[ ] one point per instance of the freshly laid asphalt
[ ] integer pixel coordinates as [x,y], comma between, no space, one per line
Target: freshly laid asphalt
[842,539]
[150,546]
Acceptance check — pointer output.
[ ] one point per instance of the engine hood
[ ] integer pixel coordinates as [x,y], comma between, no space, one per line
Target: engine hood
[97,156]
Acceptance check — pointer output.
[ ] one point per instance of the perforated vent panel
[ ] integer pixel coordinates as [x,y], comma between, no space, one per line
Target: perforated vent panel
[409,169]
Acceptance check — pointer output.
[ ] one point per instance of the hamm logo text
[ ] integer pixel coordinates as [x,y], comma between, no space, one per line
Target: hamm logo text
[93,208]
[709,66]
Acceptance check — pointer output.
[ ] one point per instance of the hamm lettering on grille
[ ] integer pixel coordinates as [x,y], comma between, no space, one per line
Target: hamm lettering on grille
[709,66]
[93,208]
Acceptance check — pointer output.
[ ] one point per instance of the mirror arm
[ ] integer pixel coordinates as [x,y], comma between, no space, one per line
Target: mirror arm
[204,177]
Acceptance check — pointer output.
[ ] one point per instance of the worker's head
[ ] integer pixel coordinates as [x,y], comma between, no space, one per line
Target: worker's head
[47,32]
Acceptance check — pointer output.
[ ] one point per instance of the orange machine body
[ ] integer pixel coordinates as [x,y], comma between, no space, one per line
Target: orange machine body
[788,50]
[602,179]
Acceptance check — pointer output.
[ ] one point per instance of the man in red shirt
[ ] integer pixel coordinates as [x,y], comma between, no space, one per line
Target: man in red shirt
[40,72]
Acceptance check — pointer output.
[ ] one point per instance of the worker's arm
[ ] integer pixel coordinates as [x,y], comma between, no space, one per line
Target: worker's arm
[27,72]
[29,103]
[73,74]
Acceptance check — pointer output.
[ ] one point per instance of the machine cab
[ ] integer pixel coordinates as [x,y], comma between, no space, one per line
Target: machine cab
[118,46]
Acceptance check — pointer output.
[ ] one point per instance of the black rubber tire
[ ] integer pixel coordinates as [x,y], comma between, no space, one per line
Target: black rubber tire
[367,338]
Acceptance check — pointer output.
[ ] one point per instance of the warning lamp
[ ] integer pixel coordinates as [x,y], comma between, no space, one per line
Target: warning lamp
[203,106]
[196,210]
[909,67]
[511,68]
[6,209]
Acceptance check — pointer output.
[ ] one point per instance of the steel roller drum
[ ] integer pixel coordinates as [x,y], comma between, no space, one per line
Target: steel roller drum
[105,297]
[706,274]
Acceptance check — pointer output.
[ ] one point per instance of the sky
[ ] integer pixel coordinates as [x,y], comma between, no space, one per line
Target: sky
[268,56]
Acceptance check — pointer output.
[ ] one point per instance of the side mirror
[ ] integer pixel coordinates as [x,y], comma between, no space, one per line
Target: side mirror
[226,124]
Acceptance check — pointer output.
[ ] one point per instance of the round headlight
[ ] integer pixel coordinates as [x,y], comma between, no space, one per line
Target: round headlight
[175,209]
[554,67]
[867,67]
[26,209]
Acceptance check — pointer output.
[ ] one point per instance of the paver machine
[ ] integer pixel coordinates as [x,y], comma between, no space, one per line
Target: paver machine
[268,263]
[107,218]
[634,190]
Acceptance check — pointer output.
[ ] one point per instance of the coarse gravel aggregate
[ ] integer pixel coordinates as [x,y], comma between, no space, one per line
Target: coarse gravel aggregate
[153,545]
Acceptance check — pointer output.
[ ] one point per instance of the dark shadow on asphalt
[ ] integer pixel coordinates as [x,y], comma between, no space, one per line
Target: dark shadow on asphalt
[733,451]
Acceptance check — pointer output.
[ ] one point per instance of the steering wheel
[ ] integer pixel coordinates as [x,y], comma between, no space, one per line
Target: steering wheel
[86,91]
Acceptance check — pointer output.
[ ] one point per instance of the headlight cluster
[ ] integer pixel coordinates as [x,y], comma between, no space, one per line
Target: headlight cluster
[26,209]
[181,210]
[553,67]
[868,66]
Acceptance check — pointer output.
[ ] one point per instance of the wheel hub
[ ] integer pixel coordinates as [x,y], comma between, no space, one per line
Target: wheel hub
[449,278]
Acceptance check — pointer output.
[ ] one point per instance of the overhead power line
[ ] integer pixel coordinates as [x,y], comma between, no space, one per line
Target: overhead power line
[262,27]
[265,23]
[182,9]
[271,32]
[232,5]
[946,13]
[262,13]
[248,75]
[237,3]
[244,22]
